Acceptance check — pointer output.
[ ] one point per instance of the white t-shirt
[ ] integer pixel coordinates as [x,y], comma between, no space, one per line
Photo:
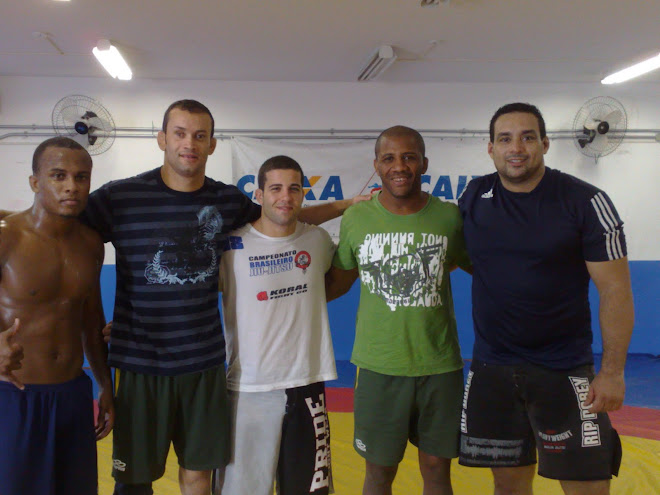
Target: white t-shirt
[274,309]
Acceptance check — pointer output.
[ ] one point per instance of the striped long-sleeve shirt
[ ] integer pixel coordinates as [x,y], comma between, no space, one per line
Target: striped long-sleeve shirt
[168,246]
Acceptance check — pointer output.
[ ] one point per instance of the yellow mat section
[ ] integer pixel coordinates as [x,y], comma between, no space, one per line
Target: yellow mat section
[639,475]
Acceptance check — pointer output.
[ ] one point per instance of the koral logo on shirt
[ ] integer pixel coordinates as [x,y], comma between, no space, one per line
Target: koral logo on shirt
[283,292]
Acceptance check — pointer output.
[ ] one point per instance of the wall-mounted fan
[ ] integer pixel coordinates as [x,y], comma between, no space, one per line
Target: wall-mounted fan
[600,126]
[86,121]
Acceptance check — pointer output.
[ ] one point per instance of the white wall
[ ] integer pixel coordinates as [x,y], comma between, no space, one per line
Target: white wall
[630,175]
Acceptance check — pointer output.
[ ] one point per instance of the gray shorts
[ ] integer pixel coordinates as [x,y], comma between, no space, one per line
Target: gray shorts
[280,437]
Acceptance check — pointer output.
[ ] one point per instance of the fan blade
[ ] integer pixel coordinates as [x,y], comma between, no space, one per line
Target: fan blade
[613,117]
[96,121]
[600,142]
[81,139]
[591,124]
[70,115]
[100,125]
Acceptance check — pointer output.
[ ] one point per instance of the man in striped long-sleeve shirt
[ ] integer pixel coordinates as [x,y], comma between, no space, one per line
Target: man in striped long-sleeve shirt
[169,226]
[536,236]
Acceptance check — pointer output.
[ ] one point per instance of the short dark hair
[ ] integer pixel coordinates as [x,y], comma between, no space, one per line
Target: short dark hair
[279,162]
[398,131]
[191,106]
[517,107]
[56,142]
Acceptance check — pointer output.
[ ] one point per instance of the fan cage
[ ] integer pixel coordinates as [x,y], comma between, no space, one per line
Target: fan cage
[596,109]
[73,109]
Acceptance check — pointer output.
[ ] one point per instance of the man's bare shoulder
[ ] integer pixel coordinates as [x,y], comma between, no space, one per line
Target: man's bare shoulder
[12,224]
[90,234]
[13,216]
[92,239]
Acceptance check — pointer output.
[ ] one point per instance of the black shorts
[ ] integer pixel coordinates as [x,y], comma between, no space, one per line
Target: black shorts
[510,412]
[304,463]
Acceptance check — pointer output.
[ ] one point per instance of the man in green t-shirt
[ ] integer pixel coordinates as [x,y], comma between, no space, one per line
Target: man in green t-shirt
[403,244]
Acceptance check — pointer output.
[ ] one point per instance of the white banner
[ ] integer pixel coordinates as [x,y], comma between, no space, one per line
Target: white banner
[339,169]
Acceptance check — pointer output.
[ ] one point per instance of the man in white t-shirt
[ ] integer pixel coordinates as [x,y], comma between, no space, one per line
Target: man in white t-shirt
[279,348]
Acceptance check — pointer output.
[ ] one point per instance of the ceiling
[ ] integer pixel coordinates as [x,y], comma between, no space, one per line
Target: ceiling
[479,41]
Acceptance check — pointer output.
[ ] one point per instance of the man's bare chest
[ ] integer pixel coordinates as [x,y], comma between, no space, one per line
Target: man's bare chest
[41,271]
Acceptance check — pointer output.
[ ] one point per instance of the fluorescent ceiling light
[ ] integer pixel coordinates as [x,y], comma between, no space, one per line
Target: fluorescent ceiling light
[633,71]
[377,63]
[433,3]
[112,61]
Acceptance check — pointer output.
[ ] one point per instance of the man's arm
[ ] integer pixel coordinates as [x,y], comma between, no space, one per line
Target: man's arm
[221,276]
[318,214]
[338,282]
[97,356]
[11,353]
[616,313]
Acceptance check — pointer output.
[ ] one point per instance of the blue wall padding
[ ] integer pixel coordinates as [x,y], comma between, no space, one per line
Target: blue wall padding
[645,277]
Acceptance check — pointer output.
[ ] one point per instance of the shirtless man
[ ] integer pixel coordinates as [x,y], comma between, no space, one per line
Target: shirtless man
[51,309]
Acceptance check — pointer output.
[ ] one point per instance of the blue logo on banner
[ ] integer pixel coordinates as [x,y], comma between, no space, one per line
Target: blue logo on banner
[443,187]
[332,190]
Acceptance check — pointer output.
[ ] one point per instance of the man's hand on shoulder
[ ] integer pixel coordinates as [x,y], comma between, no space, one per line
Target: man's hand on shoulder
[359,198]
[606,392]
[318,214]
[11,355]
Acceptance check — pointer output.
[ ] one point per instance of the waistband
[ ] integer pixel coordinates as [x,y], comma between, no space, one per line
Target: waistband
[83,378]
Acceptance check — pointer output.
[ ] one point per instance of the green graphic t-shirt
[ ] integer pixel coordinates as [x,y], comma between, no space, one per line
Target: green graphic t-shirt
[405,322]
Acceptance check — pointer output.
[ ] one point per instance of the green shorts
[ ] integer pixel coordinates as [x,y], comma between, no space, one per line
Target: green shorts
[390,410]
[191,411]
